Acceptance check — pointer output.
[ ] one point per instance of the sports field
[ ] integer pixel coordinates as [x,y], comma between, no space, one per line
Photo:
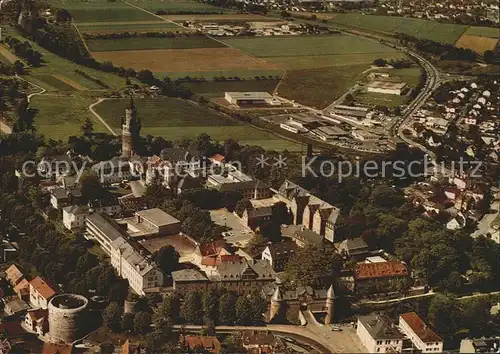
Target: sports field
[433,30]
[306,52]
[183,60]
[140,43]
[60,116]
[134,26]
[175,119]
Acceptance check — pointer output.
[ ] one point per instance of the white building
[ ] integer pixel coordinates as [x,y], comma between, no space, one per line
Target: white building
[74,216]
[379,335]
[387,87]
[141,271]
[103,230]
[40,293]
[420,334]
[251,98]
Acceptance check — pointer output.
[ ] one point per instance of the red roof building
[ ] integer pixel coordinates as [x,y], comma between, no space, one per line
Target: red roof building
[41,291]
[380,278]
[210,344]
[421,335]
[380,270]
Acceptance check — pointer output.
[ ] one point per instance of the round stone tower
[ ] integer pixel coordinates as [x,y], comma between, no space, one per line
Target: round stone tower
[330,306]
[276,304]
[131,127]
[67,318]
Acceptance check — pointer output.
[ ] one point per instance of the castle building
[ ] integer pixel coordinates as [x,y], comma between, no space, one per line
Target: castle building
[131,127]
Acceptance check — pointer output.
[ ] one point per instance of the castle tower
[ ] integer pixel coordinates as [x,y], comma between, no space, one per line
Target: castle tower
[131,127]
[330,306]
[276,304]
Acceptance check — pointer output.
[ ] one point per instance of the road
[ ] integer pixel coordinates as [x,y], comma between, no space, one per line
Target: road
[91,109]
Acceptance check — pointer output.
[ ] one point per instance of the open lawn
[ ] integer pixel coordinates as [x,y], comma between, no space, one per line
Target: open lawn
[220,18]
[433,30]
[189,42]
[479,44]
[409,75]
[296,46]
[184,60]
[180,7]
[319,87]
[218,88]
[139,26]
[60,116]
[490,32]
[55,65]
[54,82]
[175,119]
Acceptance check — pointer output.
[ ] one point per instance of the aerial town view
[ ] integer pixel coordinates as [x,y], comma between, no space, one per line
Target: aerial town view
[249,176]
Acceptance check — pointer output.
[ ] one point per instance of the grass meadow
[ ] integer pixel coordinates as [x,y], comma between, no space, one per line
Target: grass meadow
[189,42]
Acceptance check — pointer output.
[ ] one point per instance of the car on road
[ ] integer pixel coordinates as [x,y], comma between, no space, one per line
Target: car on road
[335,329]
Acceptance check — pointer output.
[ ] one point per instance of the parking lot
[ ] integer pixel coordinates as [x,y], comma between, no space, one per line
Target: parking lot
[239,234]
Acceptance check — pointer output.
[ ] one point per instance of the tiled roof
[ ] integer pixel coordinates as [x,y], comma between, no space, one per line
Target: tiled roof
[208,343]
[22,287]
[218,158]
[43,288]
[14,274]
[380,270]
[212,248]
[420,328]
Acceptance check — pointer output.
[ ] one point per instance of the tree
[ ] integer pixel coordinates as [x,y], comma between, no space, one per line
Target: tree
[285,14]
[312,266]
[62,15]
[91,187]
[227,311]
[244,311]
[167,259]
[142,322]
[242,205]
[87,126]
[107,348]
[445,315]
[281,214]
[127,323]
[18,67]
[170,309]
[379,62]
[112,315]
[489,57]
[192,310]
[210,305]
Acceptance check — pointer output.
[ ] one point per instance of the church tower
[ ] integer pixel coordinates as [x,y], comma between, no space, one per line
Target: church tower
[330,306]
[276,304]
[131,127]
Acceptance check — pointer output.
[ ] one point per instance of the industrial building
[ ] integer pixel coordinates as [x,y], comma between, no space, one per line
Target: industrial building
[329,133]
[251,98]
[387,87]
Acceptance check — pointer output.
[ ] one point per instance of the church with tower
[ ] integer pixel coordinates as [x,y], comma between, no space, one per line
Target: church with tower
[131,128]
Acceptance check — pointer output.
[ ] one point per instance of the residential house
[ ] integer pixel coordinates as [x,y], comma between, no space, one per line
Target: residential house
[37,321]
[257,342]
[301,235]
[186,280]
[308,210]
[355,248]
[256,217]
[108,205]
[379,335]
[14,275]
[22,290]
[378,278]
[41,291]
[15,306]
[420,334]
[278,254]
[53,166]
[208,344]
[61,197]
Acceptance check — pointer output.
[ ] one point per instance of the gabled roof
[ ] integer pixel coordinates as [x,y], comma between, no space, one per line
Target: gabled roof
[282,250]
[208,343]
[45,289]
[22,287]
[14,274]
[380,327]
[37,314]
[380,270]
[421,329]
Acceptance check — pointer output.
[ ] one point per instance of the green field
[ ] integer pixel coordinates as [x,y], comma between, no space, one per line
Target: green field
[175,119]
[380,99]
[319,87]
[293,46]
[426,29]
[103,11]
[55,65]
[218,88]
[176,7]
[59,117]
[129,27]
[483,32]
[242,74]
[139,43]
[55,83]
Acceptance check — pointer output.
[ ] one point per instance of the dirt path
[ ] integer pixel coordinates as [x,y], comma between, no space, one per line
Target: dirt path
[91,109]
[82,39]
[70,82]
[8,55]
[155,15]
[4,128]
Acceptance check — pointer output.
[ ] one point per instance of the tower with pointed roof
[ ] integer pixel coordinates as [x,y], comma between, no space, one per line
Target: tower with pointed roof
[131,127]
[276,304]
[330,306]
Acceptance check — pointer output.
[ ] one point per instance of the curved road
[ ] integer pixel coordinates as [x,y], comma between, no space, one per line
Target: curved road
[91,109]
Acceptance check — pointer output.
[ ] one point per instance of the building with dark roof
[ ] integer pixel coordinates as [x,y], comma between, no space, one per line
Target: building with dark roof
[301,235]
[480,345]
[104,230]
[278,254]
[257,342]
[379,335]
[421,335]
[355,248]
[256,217]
